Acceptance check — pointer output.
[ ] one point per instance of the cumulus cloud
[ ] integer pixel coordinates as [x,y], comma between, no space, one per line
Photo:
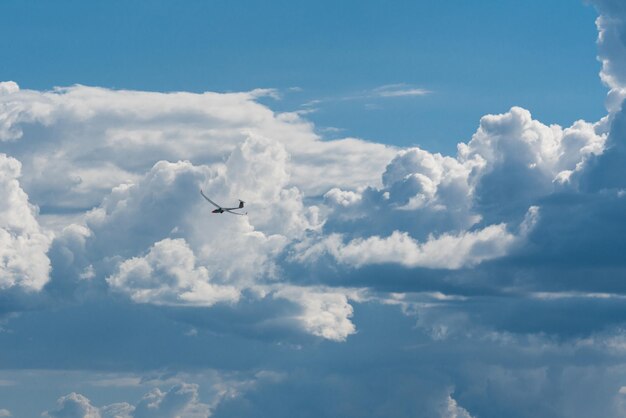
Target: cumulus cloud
[325,313]
[612,50]
[156,240]
[168,275]
[340,197]
[452,212]
[427,203]
[9,114]
[445,251]
[522,160]
[23,243]
[100,138]
[153,239]
[73,405]
[166,204]
[181,400]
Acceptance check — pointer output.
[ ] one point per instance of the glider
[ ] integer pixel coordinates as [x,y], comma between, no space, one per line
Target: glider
[221,209]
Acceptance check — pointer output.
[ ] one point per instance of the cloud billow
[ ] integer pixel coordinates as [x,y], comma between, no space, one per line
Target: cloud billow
[23,243]
[180,400]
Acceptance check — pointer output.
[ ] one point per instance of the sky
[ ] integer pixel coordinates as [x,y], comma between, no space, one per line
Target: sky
[435,204]
[473,57]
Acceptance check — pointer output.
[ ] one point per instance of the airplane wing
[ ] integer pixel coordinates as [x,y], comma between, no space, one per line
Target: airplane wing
[210,201]
[241,202]
[235,213]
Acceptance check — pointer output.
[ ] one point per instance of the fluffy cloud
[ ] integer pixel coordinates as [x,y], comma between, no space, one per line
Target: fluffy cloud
[179,401]
[23,243]
[10,113]
[523,161]
[168,275]
[325,313]
[427,203]
[443,212]
[166,203]
[153,239]
[157,241]
[446,251]
[453,410]
[73,405]
[612,50]
[100,138]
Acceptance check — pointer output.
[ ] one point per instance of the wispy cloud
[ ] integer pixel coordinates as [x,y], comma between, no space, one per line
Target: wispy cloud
[398,90]
[387,91]
[273,93]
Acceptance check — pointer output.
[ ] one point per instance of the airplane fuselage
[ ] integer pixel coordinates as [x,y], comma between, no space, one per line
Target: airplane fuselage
[221,209]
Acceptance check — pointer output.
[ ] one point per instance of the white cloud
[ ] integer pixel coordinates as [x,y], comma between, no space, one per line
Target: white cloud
[166,203]
[415,178]
[117,410]
[336,196]
[139,159]
[443,212]
[259,171]
[73,405]
[446,251]
[156,241]
[9,112]
[168,275]
[8,87]
[388,91]
[515,142]
[403,92]
[324,312]
[451,212]
[453,410]
[100,138]
[398,90]
[181,400]
[5,413]
[23,243]
[612,50]
[162,245]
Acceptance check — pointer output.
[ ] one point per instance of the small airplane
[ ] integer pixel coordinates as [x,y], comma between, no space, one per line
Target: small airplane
[221,209]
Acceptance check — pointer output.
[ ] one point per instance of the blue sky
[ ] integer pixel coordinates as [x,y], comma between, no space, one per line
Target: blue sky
[476,58]
[435,196]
